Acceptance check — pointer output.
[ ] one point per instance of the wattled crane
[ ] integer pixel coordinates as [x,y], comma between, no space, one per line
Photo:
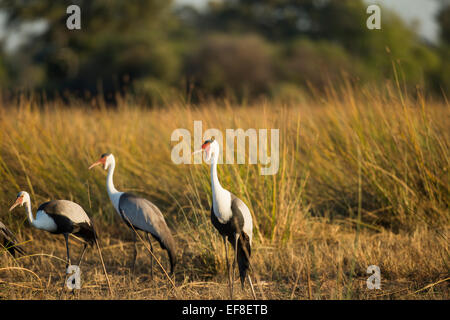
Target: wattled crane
[232,218]
[62,217]
[138,214]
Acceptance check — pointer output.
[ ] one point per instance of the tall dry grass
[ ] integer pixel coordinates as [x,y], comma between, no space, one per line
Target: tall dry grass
[363,180]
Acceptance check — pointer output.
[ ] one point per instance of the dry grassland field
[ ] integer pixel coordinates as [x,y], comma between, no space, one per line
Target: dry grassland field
[363,180]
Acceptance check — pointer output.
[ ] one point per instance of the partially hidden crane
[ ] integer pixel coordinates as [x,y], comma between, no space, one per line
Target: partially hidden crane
[9,241]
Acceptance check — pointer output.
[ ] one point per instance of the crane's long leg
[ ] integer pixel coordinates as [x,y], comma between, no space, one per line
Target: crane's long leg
[236,239]
[151,255]
[82,255]
[251,286]
[78,264]
[228,266]
[133,262]
[66,237]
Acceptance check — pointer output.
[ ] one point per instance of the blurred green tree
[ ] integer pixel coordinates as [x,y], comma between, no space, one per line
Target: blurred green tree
[241,48]
[442,77]
[119,41]
[443,19]
[317,63]
[281,20]
[341,40]
[232,66]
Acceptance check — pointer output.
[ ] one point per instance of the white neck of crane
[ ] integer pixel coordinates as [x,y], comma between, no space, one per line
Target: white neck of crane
[113,194]
[29,212]
[221,198]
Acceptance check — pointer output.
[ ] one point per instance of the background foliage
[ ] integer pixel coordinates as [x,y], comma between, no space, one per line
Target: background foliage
[240,48]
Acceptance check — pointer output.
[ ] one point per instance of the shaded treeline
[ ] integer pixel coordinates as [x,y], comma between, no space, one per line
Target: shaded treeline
[242,48]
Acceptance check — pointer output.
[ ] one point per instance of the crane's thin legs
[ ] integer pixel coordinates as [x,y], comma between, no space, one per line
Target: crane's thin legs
[82,255]
[80,260]
[66,237]
[228,267]
[236,239]
[133,262]
[251,286]
[151,255]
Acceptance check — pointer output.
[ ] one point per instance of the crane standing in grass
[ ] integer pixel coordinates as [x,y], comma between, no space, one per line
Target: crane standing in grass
[62,217]
[9,241]
[232,218]
[138,214]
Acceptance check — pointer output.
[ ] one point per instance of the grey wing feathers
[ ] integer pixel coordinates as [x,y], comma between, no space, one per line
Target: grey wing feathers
[144,215]
[241,210]
[141,213]
[66,208]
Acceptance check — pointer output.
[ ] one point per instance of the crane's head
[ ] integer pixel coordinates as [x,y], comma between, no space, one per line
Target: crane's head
[210,147]
[22,198]
[106,160]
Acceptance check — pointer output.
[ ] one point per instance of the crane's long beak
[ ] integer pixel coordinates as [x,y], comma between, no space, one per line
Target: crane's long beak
[18,202]
[95,164]
[198,151]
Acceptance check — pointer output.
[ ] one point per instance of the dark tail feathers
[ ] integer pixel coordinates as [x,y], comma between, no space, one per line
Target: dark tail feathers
[171,252]
[86,232]
[244,252]
[168,243]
